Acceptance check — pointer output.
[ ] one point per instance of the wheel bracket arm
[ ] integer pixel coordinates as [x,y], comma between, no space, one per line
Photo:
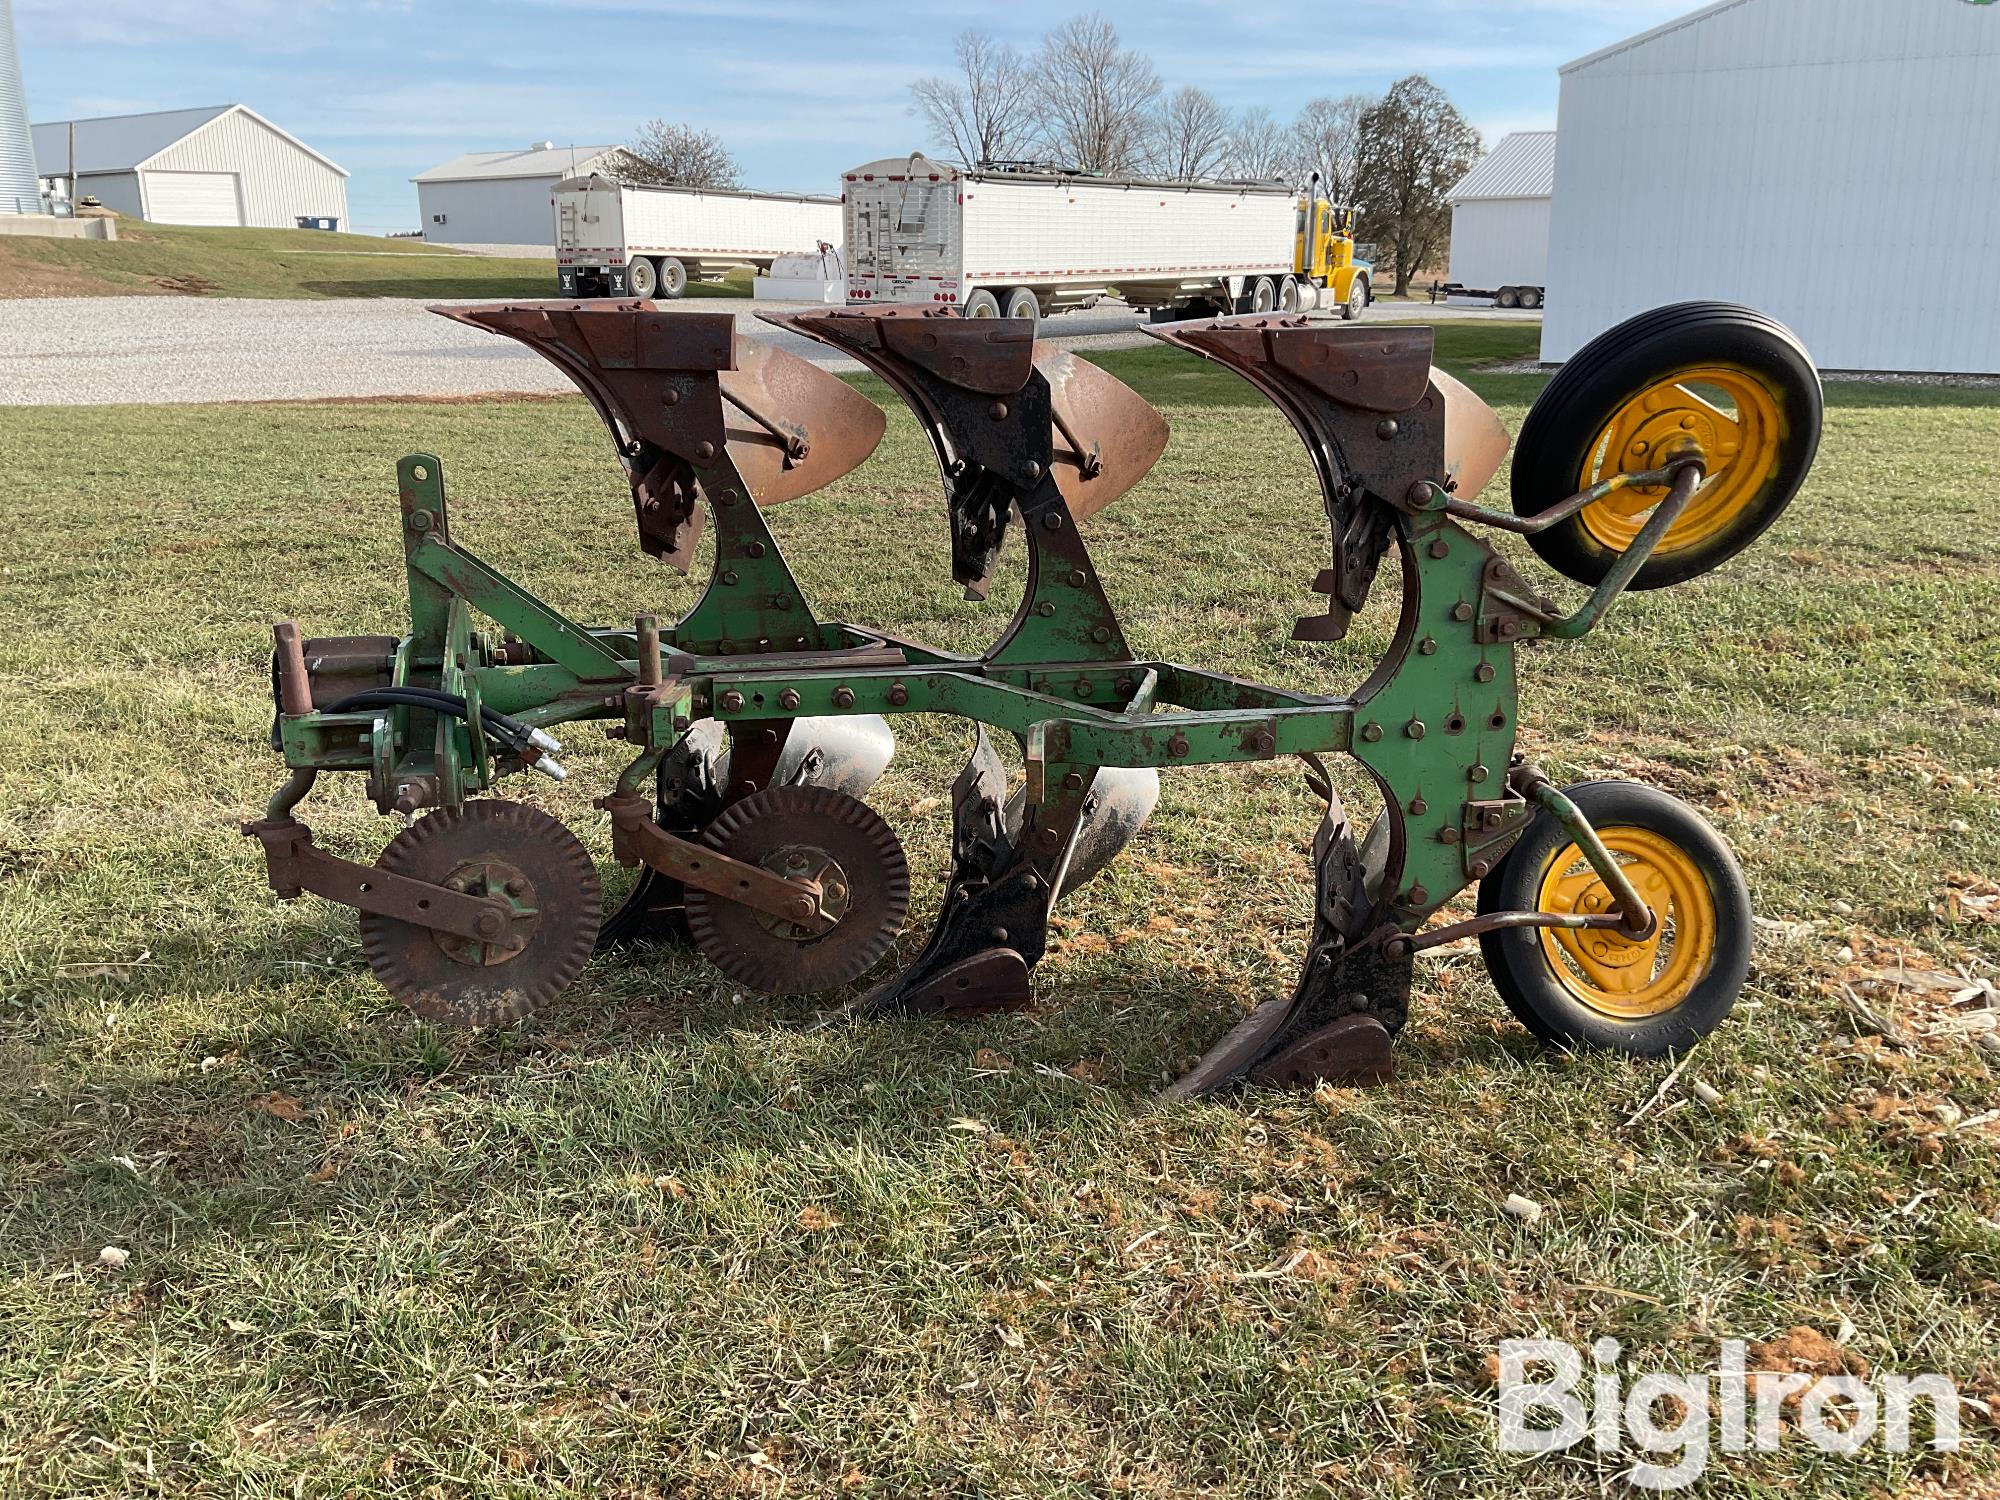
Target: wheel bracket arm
[1637,918]
[637,839]
[296,864]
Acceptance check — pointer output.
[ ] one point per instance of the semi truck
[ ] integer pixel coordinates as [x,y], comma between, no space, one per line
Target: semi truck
[619,240]
[1025,241]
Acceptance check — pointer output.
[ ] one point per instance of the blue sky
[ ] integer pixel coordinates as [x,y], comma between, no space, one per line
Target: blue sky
[798,91]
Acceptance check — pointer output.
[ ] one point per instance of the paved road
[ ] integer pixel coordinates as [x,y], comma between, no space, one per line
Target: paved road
[106,350]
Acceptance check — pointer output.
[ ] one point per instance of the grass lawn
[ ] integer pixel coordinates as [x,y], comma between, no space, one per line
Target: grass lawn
[173,259]
[668,1238]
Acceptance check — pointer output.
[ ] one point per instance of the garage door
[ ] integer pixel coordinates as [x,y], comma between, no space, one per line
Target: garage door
[192,198]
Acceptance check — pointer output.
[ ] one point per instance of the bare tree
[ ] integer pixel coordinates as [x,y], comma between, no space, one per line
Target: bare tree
[1414,146]
[1093,97]
[680,156]
[982,113]
[1327,138]
[1190,136]
[1257,145]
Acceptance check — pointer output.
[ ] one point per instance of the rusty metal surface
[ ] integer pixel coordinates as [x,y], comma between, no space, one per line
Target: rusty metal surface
[1354,1050]
[296,864]
[549,894]
[706,867]
[817,839]
[1109,435]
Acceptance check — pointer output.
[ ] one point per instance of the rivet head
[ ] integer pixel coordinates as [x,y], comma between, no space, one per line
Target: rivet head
[997,411]
[843,697]
[1440,548]
[420,472]
[1371,732]
[732,702]
[1387,428]
[1032,470]
[1461,611]
[704,450]
[670,397]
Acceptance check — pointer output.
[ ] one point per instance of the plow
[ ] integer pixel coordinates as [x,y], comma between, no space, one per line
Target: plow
[1609,913]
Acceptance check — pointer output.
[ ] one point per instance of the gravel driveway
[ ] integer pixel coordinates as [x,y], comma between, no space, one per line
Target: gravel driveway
[95,351]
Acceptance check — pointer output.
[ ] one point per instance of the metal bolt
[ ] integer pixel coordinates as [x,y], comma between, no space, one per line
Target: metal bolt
[781,601]
[1078,579]
[843,697]
[1475,774]
[1386,428]
[729,575]
[727,497]
[1266,742]
[420,472]
[1047,838]
[704,450]
[490,924]
[1440,548]
[1483,672]
[1509,629]
[998,934]
[1417,896]
[1461,611]
[1414,729]
[670,397]
[1031,470]
[898,696]
[420,520]
[1052,521]
[1396,948]
[1101,634]
[1126,687]
[789,698]
[732,702]
[1084,688]
[1418,807]
[1479,869]
[1371,732]
[1427,646]
[1178,745]
[1074,781]
[1045,609]
[997,411]
[1447,835]
[755,549]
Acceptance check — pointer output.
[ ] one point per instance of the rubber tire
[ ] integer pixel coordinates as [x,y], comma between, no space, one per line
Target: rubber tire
[1357,301]
[1531,297]
[981,303]
[673,278]
[641,280]
[1507,297]
[1614,367]
[1021,303]
[1520,970]
[1288,296]
[1263,295]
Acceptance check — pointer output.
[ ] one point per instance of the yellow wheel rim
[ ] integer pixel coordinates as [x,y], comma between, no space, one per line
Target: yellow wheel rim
[1614,974]
[1726,416]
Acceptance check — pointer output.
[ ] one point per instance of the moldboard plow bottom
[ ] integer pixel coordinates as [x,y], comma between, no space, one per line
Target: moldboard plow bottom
[1609,913]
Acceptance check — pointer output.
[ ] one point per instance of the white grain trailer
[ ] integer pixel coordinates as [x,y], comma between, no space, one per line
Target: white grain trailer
[616,240]
[1026,243]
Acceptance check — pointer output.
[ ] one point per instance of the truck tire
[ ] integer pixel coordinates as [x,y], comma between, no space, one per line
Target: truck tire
[673,277]
[1263,295]
[1507,297]
[1357,300]
[641,280]
[1021,303]
[1288,295]
[1531,297]
[982,304]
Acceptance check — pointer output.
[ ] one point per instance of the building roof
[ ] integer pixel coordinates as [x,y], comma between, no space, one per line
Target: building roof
[1661,30]
[1523,165]
[119,143]
[533,161]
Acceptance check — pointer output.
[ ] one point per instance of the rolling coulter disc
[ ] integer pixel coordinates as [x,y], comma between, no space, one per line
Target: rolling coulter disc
[495,848]
[804,833]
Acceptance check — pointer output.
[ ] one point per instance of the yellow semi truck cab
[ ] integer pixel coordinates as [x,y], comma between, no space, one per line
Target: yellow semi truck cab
[1324,256]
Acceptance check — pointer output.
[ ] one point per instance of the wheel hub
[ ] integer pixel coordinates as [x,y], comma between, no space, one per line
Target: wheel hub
[820,873]
[500,938]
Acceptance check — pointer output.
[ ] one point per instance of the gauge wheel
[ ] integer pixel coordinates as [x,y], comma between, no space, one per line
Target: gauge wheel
[1707,380]
[1599,987]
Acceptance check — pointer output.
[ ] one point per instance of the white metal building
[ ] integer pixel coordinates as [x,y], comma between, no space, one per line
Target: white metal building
[1500,215]
[221,165]
[503,197]
[1831,162]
